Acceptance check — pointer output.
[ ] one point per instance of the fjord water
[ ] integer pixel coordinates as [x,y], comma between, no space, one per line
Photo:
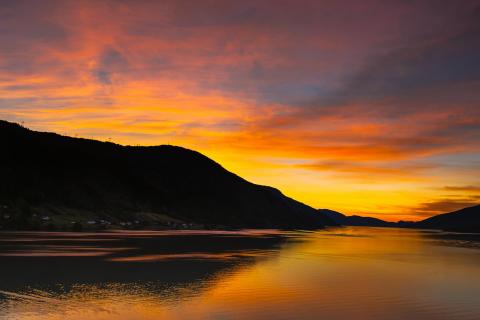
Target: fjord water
[338,273]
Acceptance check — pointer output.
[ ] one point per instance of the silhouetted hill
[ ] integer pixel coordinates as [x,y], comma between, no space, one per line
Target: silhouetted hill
[465,220]
[337,217]
[355,220]
[52,179]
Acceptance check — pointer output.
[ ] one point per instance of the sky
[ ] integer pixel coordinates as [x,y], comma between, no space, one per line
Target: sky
[366,107]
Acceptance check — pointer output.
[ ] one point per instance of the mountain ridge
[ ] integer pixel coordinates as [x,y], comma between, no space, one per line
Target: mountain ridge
[462,220]
[47,175]
[355,220]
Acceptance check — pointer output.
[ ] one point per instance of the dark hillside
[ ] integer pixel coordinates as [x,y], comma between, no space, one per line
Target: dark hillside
[464,220]
[48,176]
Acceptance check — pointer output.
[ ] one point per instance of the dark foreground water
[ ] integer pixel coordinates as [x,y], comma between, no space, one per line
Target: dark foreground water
[342,273]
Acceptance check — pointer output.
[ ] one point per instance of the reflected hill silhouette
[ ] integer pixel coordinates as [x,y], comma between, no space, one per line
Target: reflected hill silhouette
[42,260]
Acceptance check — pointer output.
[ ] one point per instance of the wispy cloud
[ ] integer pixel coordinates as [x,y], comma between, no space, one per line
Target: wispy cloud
[475,189]
[428,209]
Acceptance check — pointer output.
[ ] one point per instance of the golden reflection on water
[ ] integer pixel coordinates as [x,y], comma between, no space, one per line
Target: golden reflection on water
[345,273]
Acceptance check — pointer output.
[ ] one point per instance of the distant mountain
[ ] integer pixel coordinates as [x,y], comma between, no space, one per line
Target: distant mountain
[355,220]
[48,179]
[464,220]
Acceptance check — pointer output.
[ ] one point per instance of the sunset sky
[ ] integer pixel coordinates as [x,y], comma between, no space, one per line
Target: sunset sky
[366,107]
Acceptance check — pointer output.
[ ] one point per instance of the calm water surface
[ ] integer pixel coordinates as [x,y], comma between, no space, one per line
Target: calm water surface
[341,273]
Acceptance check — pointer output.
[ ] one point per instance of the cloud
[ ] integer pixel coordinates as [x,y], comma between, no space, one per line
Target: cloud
[110,62]
[366,172]
[428,209]
[468,188]
[421,63]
